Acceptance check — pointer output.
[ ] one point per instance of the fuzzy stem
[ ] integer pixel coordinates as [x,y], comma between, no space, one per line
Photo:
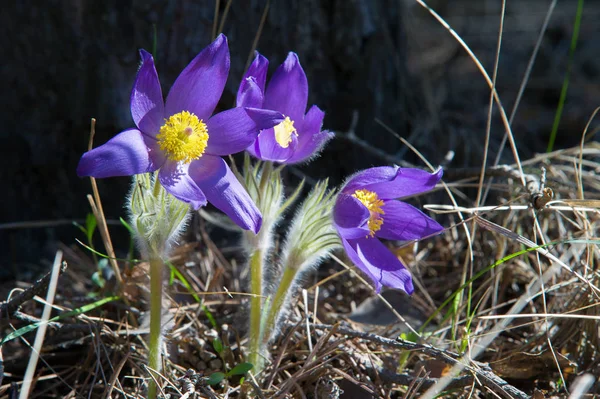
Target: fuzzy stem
[156,282]
[285,284]
[255,307]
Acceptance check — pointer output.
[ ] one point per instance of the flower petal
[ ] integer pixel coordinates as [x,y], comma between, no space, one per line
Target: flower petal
[310,137]
[311,148]
[146,102]
[287,91]
[312,121]
[249,94]
[393,182]
[258,69]
[199,87]
[234,130]
[128,153]
[375,260]
[268,149]
[402,221]
[175,178]
[254,149]
[224,191]
[350,217]
[258,72]
[369,176]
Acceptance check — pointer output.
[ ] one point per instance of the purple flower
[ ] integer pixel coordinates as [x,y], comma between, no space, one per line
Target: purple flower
[299,136]
[181,139]
[366,209]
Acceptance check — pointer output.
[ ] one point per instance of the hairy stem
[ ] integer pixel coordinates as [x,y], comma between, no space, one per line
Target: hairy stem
[279,300]
[255,307]
[156,268]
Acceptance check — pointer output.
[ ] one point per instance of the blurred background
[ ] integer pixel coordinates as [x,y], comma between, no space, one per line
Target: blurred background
[369,64]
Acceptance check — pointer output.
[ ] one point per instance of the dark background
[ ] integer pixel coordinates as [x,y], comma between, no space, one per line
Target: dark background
[64,62]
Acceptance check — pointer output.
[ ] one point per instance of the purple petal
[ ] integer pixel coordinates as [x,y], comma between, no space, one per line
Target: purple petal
[257,71]
[128,153]
[376,261]
[402,221]
[310,138]
[199,87]
[225,192]
[312,121]
[393,182]
[311,148]
[350,217]
[287,91]
[234,130]
[254,149]
[369,176]
[175,178]
[408,181]
[249,94]
[268,149]
[147,108]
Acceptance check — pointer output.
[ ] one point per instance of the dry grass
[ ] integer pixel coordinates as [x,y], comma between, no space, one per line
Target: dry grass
[554,338]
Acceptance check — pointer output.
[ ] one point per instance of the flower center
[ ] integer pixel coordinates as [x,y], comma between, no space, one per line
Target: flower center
[373,204]
[183,137]
[284,131]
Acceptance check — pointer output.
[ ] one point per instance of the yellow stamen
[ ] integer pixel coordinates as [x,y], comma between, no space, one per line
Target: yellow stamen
[183,137]
[284,132]
[373,204]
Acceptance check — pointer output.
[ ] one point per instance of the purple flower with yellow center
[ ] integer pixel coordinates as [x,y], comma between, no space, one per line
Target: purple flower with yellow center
[298,137]
[182,141]
[366,209]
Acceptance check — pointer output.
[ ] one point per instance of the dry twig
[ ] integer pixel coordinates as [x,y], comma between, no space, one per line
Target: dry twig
[10,307]
[481,370]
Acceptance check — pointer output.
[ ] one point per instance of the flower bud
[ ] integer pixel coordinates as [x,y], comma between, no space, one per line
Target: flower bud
[265,187]
[157,217]
[311,236]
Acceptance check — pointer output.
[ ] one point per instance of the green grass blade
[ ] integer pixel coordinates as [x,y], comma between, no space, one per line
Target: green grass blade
[105,256]
[477,275]
[240,369]
[75,312]
[565,86]
[175,273]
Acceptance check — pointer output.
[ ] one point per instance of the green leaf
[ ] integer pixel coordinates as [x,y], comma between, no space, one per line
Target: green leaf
[409,336]
[172,275]
[218,345]
[464,342]
[127,226]
[92,250]
[90,225]
[215,378]
[240,369]
[75,312]
[175,273]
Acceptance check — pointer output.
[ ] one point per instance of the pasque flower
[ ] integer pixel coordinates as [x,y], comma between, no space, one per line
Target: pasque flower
[182,141]
[298,137]
[366,209]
